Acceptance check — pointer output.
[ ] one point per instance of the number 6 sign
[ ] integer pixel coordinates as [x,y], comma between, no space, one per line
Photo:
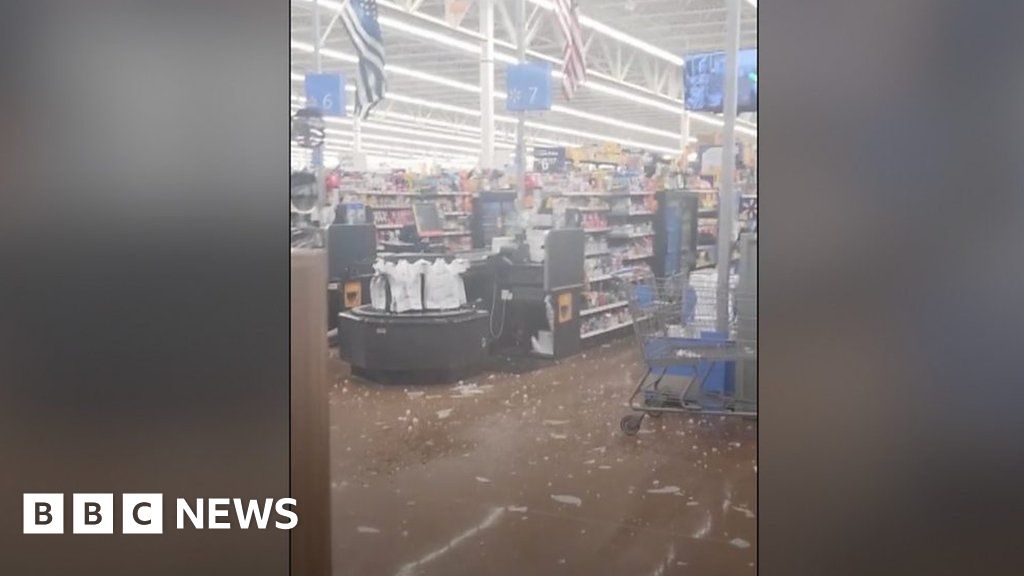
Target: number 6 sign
[326,92]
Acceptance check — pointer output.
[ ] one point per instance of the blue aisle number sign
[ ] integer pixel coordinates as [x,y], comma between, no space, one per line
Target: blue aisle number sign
[327,92]
[528,86]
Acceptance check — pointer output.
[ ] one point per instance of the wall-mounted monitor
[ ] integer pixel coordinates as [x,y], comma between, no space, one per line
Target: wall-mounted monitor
[704,79]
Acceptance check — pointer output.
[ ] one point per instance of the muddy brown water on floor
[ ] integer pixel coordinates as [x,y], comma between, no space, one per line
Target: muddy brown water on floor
[530,474]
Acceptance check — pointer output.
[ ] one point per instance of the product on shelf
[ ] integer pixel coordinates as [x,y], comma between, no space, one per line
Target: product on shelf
[604,322]
[595,245]
[594,221]
[390,198]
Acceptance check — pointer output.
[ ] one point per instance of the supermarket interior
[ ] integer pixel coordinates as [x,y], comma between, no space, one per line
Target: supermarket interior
[524,283]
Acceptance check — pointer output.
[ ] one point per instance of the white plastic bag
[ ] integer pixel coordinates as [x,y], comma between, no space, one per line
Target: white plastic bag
[400,279]
[417,271]
[379,285]
[445,289]
[435,286]
[457,268]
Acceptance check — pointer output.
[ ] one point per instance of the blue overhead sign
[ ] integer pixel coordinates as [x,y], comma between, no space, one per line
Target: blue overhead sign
[528,86]
[326,92]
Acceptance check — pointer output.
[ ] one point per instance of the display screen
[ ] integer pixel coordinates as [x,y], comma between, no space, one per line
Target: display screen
[704,78]
[428,219]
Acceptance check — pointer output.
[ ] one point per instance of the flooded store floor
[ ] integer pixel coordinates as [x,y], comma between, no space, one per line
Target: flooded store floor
[530,474]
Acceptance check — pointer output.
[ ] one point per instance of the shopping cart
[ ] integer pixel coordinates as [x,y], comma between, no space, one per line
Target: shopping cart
[685,335]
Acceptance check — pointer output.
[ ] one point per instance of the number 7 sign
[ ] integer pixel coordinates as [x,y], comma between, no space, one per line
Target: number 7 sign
[528,86]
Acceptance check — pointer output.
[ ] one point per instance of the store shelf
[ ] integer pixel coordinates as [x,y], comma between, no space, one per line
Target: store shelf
[597,230]
[590,208]
[415,194]
[596,254]
[389,226]
[593,333]
[601,278]
[642,213]
[639,257]
[631,235]
[390,207]
[603,308]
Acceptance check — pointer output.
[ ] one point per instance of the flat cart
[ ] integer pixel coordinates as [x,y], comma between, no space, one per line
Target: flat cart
[687,330]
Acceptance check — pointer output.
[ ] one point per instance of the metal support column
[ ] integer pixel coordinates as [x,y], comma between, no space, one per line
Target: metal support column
[358,158]
[521,125]
[684,131]
[726,193]
[318,153]
[487,84]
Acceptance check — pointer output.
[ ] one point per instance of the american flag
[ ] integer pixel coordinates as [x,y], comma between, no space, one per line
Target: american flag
[360,19]
[575,69]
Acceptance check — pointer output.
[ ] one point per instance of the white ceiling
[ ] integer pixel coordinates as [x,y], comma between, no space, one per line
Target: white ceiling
[679,27]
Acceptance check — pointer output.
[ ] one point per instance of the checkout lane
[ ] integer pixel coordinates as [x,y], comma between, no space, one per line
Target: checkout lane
[518,298]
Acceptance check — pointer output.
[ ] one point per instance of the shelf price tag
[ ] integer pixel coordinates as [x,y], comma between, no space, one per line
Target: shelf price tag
[326,92]
[528,86]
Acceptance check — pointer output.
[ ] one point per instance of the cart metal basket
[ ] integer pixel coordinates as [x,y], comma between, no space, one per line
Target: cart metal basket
[687,331]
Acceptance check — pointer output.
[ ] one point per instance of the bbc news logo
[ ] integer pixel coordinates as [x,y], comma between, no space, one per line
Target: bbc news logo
[144,513]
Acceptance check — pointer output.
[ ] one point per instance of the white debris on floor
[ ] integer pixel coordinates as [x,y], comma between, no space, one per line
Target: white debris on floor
[746,511]
[739,543]
[664,490]
[567,499]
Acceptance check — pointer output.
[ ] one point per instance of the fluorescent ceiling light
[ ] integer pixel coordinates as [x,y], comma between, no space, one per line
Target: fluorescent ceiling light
[447,125]
[612,121]
[716,121]
[431,104]
[593,136]
[344,141]
[398,140]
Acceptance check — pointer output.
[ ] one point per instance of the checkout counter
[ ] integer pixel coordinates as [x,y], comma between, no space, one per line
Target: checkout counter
[515,307]
[538,300]
[386,346]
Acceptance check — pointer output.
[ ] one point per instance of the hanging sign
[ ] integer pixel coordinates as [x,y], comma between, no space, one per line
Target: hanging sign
[326,92]
[549,159]
[528,86]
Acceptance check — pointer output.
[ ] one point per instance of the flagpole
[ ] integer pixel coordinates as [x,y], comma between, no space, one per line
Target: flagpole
[521,125]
